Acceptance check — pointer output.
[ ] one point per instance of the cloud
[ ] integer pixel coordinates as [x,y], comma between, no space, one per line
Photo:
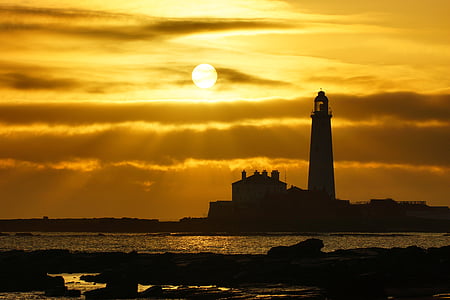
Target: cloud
[32,78]
[397,128]
[234,76]
[11,11]
[21,81]
[400,145]
[387,109]
[400,105]
[105,25]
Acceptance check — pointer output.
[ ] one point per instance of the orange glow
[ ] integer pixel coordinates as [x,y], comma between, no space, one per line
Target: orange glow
[97,102]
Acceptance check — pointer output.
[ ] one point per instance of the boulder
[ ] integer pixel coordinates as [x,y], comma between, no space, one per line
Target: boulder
[55,286]
[308,248]
[23,281]
[119,285]
[153,291]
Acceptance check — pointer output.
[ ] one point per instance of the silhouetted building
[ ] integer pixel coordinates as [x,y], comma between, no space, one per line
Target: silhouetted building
[263,201]
[321,169]
[264,197]
[249,191]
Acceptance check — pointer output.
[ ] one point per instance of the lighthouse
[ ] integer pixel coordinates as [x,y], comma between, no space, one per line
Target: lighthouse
[321,169]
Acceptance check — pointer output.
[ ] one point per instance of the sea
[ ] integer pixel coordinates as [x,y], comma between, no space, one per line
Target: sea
[255,243]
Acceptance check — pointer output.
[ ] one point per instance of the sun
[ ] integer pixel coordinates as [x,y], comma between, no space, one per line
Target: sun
[204,76]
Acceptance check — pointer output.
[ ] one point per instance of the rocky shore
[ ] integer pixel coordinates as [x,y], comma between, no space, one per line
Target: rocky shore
[364,273]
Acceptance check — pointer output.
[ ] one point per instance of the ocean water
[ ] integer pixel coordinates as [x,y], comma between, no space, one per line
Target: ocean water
[182,243]
[225,244]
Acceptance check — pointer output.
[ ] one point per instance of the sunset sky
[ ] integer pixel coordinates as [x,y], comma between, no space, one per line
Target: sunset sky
[99,115]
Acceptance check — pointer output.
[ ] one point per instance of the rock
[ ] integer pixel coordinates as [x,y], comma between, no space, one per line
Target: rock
[356,286]
[153,291]
[58,291]
[55,287]
[102,293]
[441,253]
[308,248]
[73,293]
[124,288]
[23,281]
[119,285]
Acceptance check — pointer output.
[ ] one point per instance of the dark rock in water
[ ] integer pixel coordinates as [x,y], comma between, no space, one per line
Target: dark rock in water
[119,285]
[58,291]
[102,293]
[73,293]
[308,248]
[415,292]
[153,291]
[442,252]
[355,286]
[343,274]
[56,288]
[22,280]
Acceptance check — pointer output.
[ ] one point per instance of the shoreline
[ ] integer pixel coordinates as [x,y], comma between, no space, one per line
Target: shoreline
[363,272]
[207,226]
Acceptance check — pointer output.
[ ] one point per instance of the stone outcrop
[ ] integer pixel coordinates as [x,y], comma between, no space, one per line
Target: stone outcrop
[307,248]
[343,274]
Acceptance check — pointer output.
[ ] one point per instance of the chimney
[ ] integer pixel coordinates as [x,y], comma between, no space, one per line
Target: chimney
[264,173]
[244,174]
[256,172]
[275,175]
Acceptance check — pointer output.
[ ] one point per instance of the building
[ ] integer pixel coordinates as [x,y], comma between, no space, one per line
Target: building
[265,196]
[251,190]
[321,169]
[263,202]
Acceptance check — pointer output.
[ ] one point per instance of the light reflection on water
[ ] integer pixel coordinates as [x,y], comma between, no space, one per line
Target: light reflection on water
[226,244]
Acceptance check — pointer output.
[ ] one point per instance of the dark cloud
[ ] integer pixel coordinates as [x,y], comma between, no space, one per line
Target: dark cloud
[395,106]
[406,145]
[235,76]
[362,80]
[212,24]
[137,27]
[163,112]
[11,11]
[401,105]
[391,140]
[22,81]
[37,78]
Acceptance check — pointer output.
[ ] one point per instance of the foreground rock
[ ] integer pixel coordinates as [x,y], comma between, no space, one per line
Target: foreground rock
[119,285]
[307,248]
[367,273]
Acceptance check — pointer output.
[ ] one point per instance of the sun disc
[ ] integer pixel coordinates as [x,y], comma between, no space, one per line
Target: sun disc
[204,76]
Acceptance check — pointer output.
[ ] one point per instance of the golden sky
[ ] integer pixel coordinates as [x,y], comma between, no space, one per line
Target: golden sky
[99,115]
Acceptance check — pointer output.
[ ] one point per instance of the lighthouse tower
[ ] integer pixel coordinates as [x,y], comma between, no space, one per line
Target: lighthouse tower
[321,169]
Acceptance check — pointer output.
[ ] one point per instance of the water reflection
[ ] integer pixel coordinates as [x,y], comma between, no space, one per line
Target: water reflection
[226,244]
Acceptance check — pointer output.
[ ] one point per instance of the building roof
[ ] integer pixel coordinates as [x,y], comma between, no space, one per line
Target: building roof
[259,178]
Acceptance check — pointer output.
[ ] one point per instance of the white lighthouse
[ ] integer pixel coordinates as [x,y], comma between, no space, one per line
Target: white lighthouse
[321,169]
